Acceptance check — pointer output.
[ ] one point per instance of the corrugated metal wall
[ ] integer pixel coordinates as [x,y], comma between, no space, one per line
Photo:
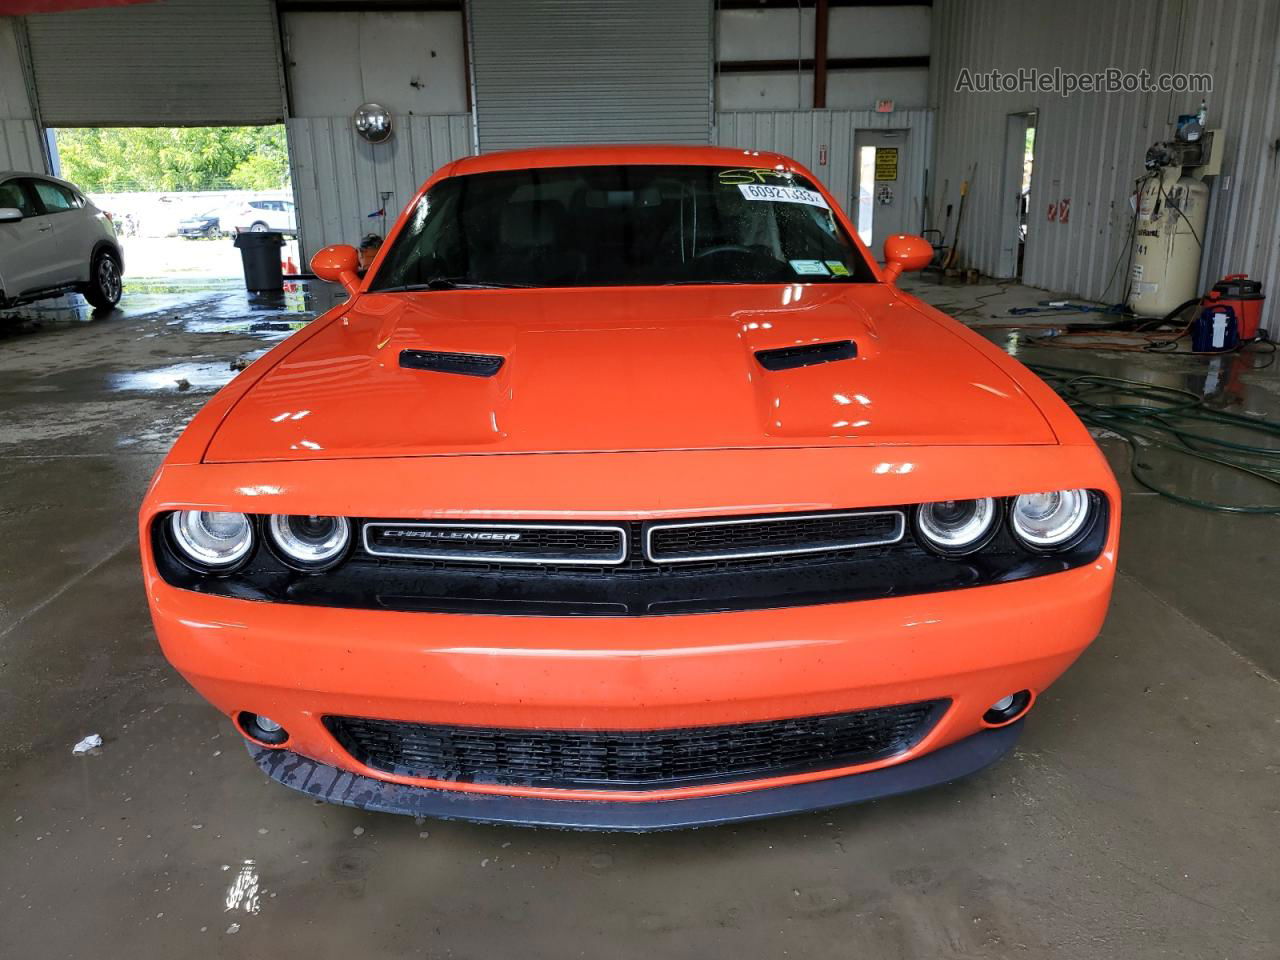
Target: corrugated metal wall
[591,71]
[801,135]
[20,146]
[338,178]
[1089,147]
[181,62]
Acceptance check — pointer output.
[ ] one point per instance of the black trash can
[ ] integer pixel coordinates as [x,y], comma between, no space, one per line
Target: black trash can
[260,255]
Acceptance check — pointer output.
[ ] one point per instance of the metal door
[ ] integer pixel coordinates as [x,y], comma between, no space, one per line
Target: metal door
[591,71]
[880,186]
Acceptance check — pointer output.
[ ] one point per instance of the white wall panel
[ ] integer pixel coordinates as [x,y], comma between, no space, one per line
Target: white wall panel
[19,136]
[879,31]
[802,134]
[338,178]
[908,88]
[1090,146]
[14,103]
[20,146]
[408,61]
[775,33]
[780,33]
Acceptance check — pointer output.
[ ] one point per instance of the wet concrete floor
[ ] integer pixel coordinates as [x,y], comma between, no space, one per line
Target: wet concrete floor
[1139,816]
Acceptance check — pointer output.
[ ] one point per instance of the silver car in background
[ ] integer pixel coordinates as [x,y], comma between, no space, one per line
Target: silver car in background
[53,240]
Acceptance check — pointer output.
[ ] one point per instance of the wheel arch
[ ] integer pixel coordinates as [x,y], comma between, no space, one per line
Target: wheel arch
[111,248]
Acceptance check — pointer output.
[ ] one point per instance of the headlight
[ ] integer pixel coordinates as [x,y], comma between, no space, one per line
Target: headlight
[212,539]
[310,541]
[957,526]
[1050,519]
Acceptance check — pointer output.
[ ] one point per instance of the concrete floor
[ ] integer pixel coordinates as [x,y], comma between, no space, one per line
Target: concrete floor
[1139,817]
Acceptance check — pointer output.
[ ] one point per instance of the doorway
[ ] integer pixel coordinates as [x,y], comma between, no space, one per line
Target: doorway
[1019,161]
[880,165]
[177,196]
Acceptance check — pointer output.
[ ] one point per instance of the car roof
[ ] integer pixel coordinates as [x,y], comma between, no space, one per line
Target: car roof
[9,174]
[619,154]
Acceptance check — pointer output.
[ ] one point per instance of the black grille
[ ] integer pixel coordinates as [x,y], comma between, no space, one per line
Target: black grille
[471,582]
[789,358]
[627,759]
[438,361]
[509,543]
[815,533]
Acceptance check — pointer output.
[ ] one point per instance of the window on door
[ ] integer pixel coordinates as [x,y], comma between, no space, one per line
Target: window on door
[54,198]
[866,192]
[12,195]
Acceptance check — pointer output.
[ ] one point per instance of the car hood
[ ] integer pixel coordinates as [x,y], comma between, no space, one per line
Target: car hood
[627,369]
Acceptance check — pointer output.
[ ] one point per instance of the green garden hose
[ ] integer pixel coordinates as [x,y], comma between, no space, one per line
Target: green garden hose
[1146,417]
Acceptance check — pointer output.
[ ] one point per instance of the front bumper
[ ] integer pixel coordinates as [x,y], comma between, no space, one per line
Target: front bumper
[300,664]
[333,785]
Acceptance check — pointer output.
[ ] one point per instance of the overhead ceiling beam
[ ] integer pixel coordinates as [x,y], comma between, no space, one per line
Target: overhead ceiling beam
[369,6]
[833,63]
[792,4]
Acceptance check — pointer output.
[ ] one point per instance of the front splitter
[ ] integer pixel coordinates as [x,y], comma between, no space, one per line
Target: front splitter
[334,785]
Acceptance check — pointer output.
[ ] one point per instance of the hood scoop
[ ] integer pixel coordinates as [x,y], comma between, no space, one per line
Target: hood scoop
[808,355]
[437,361]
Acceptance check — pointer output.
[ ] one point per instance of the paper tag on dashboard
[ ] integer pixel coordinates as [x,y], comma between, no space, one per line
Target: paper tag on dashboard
[764,191]
[810,268]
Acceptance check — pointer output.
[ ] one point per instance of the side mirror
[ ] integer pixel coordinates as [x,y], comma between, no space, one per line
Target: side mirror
[338,264]
[10,214]
[905,251]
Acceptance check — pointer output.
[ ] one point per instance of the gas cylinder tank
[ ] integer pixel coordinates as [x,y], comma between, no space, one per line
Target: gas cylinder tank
[1172,213]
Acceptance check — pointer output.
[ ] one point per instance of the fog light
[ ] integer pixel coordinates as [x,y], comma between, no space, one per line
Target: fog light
[260,728]
[1007,709]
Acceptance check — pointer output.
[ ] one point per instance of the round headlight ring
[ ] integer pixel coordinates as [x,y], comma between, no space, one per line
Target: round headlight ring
[211,539]
[957,527]
[309,542]
[1051,519]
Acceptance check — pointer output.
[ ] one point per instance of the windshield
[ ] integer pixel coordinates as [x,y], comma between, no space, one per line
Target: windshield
[624,225]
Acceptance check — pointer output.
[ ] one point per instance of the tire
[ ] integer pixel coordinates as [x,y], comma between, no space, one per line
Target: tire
[105,284]
[259,227]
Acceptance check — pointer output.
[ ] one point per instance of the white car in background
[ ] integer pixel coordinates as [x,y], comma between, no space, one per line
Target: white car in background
[260,216]
[53,240]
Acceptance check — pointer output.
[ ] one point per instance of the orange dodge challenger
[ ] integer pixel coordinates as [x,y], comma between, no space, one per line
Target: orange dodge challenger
[626,491]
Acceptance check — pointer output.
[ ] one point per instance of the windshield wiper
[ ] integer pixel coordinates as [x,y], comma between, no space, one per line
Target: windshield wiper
[450,283]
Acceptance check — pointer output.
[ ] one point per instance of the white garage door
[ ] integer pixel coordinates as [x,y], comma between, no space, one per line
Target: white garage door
[176,63]
[591,71]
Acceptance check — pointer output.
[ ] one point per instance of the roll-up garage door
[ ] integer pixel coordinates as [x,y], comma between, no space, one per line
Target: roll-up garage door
[171,63]
[591,71]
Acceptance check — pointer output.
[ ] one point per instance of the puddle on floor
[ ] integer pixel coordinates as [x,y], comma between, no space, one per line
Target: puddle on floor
[190,376]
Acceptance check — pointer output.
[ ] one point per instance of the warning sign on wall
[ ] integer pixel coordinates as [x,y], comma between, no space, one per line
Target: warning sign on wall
[886,163]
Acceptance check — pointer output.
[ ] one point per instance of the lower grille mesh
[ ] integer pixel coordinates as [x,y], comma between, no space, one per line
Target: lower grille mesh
[634,759]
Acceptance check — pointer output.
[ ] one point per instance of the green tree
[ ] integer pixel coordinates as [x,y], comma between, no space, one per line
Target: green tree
[110,160]
[262,171]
